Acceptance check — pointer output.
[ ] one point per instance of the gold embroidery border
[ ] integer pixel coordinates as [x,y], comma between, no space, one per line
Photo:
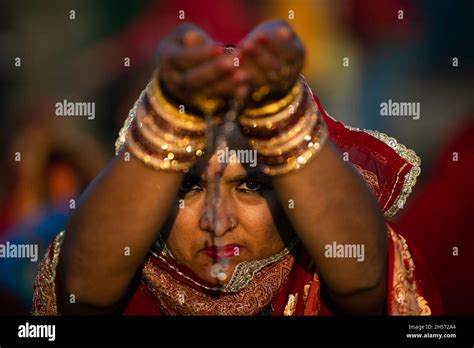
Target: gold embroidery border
[405,296]
[243,274]
[291,305]
[44,297]
[132,114]
[407,154]
[173,297]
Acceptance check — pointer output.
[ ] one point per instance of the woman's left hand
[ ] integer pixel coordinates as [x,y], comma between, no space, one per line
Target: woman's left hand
[270,59]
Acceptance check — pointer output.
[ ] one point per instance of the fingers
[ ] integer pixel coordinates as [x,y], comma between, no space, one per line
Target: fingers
[272,58]
[193,38]
[208,72]
[261,68]
[251,73]
[224,87]
[186,46]
[183,58]
[279,38]
[263,61]
[188,34]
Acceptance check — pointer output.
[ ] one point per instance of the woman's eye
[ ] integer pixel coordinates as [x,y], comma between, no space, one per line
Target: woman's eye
[249,185]
[190,185]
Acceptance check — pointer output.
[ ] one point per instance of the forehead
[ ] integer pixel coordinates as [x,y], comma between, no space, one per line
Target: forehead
[231,156]
[209,167]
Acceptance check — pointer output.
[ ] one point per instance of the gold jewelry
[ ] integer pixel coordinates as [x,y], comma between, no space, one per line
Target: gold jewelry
[171,143]
[162,144]
[154,146]
[208,105]
[261,93]
[269,121]
[300,137]
[281,157]
[169,112]
[274,107]
[297,162]
[167,163]
[304,124]
[184,140]
[282,153]
[157,157]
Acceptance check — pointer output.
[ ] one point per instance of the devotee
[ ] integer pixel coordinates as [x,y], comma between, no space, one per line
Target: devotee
[170,228]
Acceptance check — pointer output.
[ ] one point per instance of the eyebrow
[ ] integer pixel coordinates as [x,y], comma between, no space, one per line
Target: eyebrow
[253,174]
[236,178]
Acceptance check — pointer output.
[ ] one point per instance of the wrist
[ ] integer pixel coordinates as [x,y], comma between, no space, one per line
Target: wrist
[266,94]
[286,133]
[199,104]
[161,135]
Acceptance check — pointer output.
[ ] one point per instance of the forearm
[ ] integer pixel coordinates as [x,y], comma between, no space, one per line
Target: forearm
[113,227]
[123,210]
[333,204]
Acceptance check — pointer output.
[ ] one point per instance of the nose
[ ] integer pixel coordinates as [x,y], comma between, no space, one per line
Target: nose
[218,218]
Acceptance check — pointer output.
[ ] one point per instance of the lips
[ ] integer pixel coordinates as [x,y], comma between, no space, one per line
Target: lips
[226,251]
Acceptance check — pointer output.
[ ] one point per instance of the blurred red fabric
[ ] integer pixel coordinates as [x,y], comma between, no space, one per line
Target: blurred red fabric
[440,219]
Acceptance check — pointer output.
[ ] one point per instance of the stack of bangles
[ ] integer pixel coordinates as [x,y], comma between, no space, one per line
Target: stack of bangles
[286,134]
[160,134]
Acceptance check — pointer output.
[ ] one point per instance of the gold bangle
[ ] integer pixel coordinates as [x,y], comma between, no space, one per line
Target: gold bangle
[261,93]
[204,103]
[141,124]
[309,139]
[291,150]
[270,121]
[276,106]
[208,105]
[303,122]
[158,158]
[170,113]
[280,143]
[153,162]
[184,140]
[156,92]
[152,134]
[298,161]
[159,152]
[161,145]
[293,142]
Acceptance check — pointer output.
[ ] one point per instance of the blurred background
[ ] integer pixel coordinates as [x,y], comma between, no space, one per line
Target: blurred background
[104,52]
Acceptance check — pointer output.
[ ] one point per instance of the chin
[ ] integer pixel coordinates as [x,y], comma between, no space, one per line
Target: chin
[211,272]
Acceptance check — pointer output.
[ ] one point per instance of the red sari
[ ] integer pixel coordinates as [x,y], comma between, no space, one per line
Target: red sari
[289,286]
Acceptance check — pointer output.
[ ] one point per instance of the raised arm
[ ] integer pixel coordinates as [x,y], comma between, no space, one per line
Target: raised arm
[326,200]
[121,212]
[333,204]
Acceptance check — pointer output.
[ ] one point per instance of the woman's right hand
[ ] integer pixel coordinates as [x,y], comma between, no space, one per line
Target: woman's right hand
[193,65]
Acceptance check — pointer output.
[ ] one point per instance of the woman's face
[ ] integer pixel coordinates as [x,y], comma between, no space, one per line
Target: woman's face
[249,222]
